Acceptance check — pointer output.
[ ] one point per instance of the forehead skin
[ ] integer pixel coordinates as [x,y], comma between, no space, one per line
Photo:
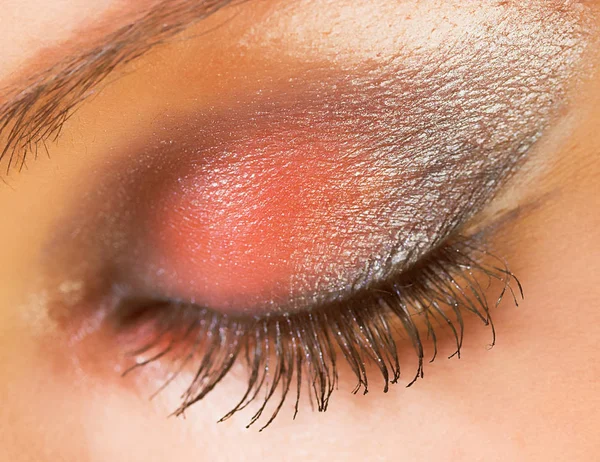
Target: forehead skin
[534,397]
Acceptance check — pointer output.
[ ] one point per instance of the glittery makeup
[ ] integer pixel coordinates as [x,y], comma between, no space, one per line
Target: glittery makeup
[312,188]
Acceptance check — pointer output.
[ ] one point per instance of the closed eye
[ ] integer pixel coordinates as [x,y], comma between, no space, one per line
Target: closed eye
[302,212]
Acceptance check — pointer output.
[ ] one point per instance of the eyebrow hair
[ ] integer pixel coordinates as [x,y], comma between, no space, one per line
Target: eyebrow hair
[32,115]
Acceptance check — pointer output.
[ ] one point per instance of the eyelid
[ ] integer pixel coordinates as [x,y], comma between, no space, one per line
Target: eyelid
[413,171]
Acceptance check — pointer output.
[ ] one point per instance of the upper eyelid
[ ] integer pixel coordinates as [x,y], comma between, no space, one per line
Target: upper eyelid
[33,114]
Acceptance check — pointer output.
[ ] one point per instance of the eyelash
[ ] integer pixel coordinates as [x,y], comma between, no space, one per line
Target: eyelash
[286,351]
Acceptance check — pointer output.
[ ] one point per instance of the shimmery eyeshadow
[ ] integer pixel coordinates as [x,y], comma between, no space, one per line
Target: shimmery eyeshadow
[319,186]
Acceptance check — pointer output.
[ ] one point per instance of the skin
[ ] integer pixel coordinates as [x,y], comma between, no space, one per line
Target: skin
[533,397]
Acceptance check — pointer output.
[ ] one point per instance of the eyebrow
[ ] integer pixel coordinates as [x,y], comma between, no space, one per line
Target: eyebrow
[34,114]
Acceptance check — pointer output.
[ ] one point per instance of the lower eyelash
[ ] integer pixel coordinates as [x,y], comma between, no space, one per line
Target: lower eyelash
[284,352]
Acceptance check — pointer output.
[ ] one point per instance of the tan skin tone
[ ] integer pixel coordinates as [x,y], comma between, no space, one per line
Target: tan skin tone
[534,396]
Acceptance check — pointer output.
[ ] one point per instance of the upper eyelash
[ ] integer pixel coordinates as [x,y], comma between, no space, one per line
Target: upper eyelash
[286,351]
